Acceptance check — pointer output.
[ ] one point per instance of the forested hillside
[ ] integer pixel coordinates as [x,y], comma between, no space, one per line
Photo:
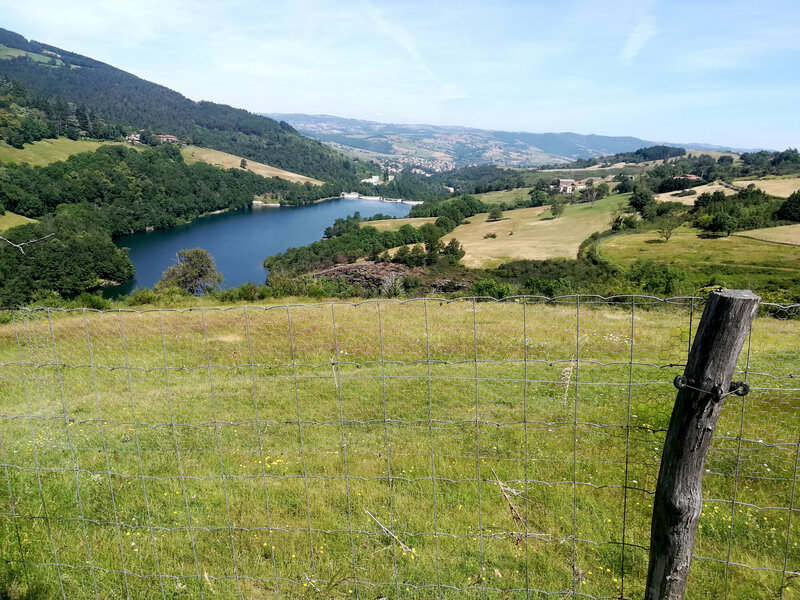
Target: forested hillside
[27,117]
[124,98]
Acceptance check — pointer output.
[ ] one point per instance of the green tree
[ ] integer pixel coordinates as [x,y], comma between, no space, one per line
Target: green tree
[603,190]
[790,210]
[195,271]
[641,198]
[723,223]
[558,206]
[243,164]
[453,250]
[495,213]
[667,227]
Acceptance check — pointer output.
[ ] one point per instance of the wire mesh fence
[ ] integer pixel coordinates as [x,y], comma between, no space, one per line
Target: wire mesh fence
[387,449]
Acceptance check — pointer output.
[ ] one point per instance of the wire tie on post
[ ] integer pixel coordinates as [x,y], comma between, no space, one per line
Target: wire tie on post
[740,388]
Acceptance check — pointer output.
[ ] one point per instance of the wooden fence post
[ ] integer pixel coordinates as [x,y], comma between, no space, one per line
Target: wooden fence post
[706,381]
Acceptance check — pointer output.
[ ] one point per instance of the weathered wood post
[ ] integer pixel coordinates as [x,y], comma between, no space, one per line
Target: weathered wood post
[706,381]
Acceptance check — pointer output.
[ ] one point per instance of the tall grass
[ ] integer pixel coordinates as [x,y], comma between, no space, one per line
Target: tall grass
[415,450]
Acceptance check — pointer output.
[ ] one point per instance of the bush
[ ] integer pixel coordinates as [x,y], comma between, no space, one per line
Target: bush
[490,236]
[141,296]
[495,213]
[539,286]
[489,287]
[95,301]
[656,278]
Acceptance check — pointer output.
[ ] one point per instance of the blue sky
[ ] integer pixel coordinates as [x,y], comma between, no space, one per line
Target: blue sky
[682,71]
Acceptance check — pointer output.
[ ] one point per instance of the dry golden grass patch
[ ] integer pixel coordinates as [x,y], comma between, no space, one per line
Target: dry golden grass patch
[689,200]
[786,234]
[193,154]
[783,188]
[530,233]
[711,153]
[395,224]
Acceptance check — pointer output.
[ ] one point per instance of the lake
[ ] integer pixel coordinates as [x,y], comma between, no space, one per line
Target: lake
[240,240]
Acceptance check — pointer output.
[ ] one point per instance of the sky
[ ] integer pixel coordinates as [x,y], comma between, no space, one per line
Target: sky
[725,73]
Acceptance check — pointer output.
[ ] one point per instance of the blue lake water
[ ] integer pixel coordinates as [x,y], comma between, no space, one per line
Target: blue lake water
[240,240]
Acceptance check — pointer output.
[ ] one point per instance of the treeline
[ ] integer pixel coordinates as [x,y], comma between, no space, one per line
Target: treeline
[480,179]
[649,153]
[124,98]
[349,247]
[717,212]
[750,208]
[27,117]
[347,240]
[136,189]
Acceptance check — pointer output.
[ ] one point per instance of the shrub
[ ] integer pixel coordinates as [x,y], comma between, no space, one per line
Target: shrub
[141,296]
[96,301]
[656,278]
[489,287]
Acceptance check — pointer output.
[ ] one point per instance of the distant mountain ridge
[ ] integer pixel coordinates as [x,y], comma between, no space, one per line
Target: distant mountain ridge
[124,98]
[467,145]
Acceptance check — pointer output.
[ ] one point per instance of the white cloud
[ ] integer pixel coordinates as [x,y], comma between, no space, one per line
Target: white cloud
[643,31]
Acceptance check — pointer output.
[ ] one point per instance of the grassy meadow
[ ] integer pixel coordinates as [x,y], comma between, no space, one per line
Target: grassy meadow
[736,261]
[689,200]
[532,233]
[508,196]
[376,450]
[9,220]
[193,154]
[7,53]
[782,187]
[395,224]
[784,234]
[44,152]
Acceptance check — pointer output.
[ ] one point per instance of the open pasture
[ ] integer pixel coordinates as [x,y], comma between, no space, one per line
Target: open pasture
[736,261]
[532,233]
[401,450]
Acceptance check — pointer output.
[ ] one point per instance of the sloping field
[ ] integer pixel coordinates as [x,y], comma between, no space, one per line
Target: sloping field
[531,233]
[785,234]
[192,154]
[395,224]
[410,450]
[508,196]
[45,152]
[733,261]
[7,53]
[689,200]
[9,220]
[781,187]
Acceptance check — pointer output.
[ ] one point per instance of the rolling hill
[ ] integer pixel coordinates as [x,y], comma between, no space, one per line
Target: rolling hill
[124,98]
[434,146]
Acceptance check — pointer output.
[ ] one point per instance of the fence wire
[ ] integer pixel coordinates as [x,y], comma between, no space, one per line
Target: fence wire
[385,449]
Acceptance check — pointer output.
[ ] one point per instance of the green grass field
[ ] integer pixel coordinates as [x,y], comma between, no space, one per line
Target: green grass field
[531,233]
[45,152]
[734,261]
[7,53]
[260,441]
[508,196]
[9,220]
